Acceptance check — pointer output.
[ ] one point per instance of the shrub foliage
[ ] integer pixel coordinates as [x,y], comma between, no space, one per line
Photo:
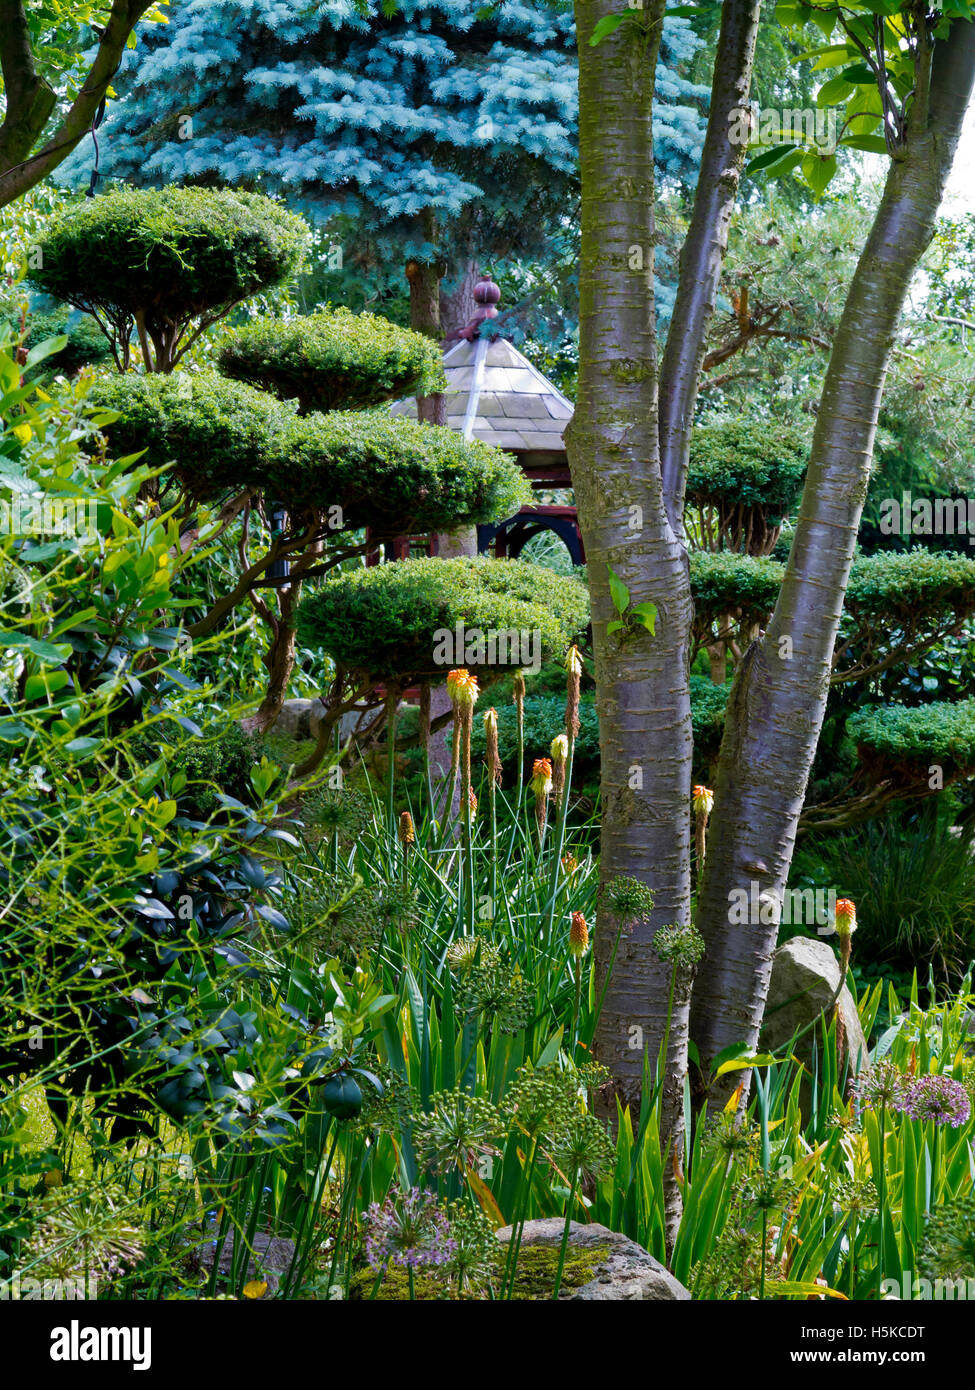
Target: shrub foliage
[333,360]
[151,261]
[386,619]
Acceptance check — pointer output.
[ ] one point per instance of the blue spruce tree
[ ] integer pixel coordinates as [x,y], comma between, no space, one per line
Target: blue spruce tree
[440,134]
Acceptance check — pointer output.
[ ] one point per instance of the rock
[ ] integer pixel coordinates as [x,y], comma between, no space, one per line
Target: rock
[805,977]
[622,1270]
[299,719]
[272,1259]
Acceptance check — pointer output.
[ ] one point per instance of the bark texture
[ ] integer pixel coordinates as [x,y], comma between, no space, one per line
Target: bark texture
[702,255]
[30,102]
[778,699]
[622,450]
[641,681]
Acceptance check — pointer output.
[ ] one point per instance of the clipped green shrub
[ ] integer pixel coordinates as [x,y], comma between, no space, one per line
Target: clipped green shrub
[905,588]
[333,360]
[726,582]
[164,257]
[752,462]
[396,476]
[914,737]
[388,619]
[210,433]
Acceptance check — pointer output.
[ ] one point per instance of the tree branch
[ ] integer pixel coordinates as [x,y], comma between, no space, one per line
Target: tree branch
[19,169]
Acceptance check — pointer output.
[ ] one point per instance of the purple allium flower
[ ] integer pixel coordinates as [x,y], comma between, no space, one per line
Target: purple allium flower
[938,1098]
[409,1229]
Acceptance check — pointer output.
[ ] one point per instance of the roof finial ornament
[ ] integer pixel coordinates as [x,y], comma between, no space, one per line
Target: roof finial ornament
[487,295]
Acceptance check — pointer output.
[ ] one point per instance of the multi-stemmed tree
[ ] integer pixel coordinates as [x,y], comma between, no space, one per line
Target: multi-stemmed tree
[905,90]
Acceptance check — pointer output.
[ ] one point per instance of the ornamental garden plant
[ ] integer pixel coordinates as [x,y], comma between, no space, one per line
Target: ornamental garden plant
[660,988]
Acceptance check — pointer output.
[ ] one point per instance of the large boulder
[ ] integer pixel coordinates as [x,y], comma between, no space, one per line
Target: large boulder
[805,978]
[601,1265]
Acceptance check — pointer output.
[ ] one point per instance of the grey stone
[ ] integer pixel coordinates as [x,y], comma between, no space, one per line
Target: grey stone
[271,1259]
[805,978]
[626,1272]
[299,719]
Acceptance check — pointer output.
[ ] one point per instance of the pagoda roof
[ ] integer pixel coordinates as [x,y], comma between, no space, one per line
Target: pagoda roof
[496,395]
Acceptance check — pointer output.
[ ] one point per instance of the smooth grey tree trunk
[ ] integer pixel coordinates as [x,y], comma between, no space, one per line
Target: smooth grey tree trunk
[778,698]
[618,449]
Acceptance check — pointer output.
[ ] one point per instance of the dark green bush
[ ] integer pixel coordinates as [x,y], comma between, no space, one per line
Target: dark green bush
[545,717]
[385,619]
[726,582]
[168,256]
[212,433]
[396,476]
[86,345]
[212,764]
[899,588]
[708,705]
[914,886]
[333,360]
[942,733]
[748,462]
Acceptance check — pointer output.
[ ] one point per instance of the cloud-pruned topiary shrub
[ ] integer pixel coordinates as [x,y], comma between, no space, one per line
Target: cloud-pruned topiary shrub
[333,360]
[744,478]
[909,739]
[166,264]
[395,476]
[730,586]
[207,433]
[385,619]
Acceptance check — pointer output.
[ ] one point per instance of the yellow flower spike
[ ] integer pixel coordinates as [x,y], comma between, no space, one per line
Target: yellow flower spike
[573,662]
[407,834]
[578,935]
[541,780]
[560,748]
[846,917]
[702,799]
[462,688]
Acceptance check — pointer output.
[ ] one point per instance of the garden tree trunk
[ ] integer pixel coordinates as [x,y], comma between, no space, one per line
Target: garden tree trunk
[457,307]
[641,681]
[777,702]
[614,444]
[463,541]
[424,279]
[30,101]
[702,254]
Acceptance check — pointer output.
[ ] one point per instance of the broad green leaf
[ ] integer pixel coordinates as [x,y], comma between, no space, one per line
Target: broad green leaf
[757,1059]
[608,25]
[50,652]
[768,158]
[646,613]
[619,593]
